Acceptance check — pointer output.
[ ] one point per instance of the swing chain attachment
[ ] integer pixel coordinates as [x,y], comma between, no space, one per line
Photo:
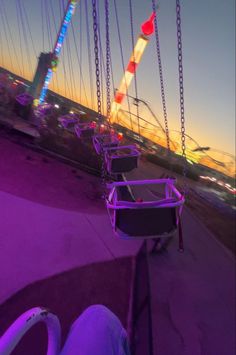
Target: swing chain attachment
[181,89]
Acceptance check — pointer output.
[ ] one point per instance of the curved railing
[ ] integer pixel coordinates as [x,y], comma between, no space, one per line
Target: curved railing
[27,320]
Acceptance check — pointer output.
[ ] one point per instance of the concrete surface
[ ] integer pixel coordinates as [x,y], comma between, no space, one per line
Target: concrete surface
[193,293]
[38,241]
[52,219]
[51,222]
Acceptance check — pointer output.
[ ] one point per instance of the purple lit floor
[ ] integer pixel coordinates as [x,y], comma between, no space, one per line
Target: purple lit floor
[193,293]
[52,220]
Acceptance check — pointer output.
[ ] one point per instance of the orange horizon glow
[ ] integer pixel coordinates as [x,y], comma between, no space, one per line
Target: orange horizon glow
[159,139]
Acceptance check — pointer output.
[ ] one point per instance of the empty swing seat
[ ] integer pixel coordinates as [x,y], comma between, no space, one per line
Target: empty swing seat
[67,121]
[102,141]
[121,159]
[133,217]
[23,105]
[84,130]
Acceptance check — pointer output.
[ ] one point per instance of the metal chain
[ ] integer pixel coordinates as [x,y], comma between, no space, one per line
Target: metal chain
[135,75]
[161,76]
[98,86]
[181,89]
[96,52]
[108,77]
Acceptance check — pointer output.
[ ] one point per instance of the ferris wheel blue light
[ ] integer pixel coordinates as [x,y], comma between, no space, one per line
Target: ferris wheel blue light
[57,48]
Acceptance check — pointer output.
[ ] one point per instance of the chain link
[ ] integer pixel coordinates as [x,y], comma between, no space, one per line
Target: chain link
[98,86]
[154,6]
[181,89]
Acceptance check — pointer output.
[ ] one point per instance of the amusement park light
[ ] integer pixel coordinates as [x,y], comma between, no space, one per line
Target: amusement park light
[56,106]
[120,136]
[220,183]
[147,30]
[57,48]
[190,161]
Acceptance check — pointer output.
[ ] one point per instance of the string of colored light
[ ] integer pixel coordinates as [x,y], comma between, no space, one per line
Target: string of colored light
[57,48]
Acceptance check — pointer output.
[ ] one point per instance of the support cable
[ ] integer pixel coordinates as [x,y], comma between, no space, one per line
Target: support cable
[61,8]
[6,37]
[70,70]
[50,41]
[80,69]
[64,71]
[42,18]
[29,30]
[8,29]
[112,75]
[26,38]
[20,38]
[55,28]
[1,50]
[11,37]
[80,48]
[89,54]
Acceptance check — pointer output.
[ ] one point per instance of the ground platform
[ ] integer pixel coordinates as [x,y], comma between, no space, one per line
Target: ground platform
[55,228]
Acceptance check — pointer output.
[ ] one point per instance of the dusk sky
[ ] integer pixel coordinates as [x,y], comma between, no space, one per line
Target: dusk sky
[208,35]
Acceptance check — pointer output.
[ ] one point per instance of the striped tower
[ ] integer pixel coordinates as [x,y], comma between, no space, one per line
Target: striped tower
[143,39]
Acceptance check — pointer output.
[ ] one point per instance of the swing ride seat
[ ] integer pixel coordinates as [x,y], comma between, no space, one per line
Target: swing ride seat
[102,141]
[121,159]
[43,110]
[133,217]
[24,99]
[23,105]
[84,130]
[67,120]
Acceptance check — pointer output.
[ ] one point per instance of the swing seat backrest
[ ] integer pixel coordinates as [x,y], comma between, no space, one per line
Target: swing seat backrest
[121,159]
[88,132]
[123,164]
[138,222]
[146,221]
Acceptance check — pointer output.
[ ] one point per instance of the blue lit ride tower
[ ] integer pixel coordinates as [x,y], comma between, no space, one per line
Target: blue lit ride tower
[48,62]
[44,63]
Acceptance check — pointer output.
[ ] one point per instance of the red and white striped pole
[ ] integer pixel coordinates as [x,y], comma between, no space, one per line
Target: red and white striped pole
[147,29]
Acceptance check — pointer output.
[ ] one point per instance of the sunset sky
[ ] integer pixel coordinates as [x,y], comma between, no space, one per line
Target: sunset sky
[208,34]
